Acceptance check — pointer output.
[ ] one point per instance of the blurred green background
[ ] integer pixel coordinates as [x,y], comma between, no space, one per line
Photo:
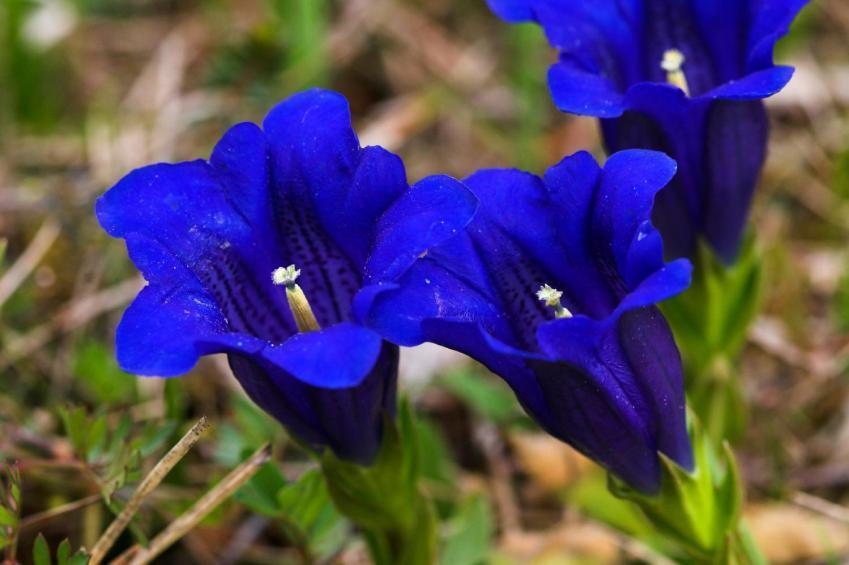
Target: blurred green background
[90,89]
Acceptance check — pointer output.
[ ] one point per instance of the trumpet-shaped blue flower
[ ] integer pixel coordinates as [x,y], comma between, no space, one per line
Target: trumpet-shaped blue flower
[553,287]
[211,237]
[686,77]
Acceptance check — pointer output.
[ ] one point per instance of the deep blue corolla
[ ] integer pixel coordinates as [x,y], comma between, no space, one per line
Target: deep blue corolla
[686,77]
[554,286]
[260,252]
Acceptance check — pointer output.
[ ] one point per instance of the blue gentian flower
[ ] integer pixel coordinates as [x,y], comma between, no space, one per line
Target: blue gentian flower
[215,240]
[686,77]
[554,286]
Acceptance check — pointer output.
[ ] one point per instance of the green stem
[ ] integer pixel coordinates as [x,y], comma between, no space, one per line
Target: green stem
[745,548]
[408,544]
[384,499]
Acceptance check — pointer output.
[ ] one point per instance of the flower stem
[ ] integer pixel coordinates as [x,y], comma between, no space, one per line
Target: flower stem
[384,499]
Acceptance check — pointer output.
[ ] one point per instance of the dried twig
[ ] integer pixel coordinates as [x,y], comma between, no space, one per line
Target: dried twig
[10,499]
[487,437]
[27,262]
[34,520]
[75,314]
[150,482]
[209,502]
[821,506]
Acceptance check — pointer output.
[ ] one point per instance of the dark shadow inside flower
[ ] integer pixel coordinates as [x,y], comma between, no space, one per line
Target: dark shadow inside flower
[209,235]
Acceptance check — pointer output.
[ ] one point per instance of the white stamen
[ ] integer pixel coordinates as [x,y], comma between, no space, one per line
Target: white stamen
[298,303]
[551,297]
[673,63]
[285,276]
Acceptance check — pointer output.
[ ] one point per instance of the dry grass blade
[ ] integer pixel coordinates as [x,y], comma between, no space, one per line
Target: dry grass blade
[38,520]
[10,501]
[826,508]
[20,270]
[74,315]
[150,482]
[209,502]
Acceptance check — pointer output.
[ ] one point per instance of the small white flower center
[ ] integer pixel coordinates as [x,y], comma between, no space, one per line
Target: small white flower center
[298,303]
[551,297]
[673,63]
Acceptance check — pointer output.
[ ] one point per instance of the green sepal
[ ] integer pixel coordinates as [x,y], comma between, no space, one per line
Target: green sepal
[711,322]
[698,509]
[384,499]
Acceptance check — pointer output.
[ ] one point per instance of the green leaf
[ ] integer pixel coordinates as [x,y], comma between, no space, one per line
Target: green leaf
[527,63]
[79,558]
[63,553]
[303,26]
[711,322]
[260,494]
[76,426]
[40,551]
[699,509]
[154,437]
[175,400]
[303,502]
[593,498]
[471,534]
[96,438]
[8,517]
[437,467]
[384,499]
[96,368]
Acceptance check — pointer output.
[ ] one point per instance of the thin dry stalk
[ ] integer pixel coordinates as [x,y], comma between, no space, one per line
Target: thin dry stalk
[203,507]
[74,315]
[37,520]
[29,260]
[821,506]
[150,482]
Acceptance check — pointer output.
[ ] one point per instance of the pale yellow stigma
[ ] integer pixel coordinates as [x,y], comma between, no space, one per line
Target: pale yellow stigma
[673,63]
[298,303]
[551,297]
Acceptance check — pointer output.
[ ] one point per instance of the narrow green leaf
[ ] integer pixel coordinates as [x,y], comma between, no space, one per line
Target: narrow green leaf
[79,558]
[63,553]
[471,533]
[40,551]
[8,517]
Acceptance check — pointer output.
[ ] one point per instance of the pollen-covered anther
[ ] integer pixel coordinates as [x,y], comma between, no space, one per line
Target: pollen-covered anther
[551,297]
[285,276]
[298,303]
[673,63]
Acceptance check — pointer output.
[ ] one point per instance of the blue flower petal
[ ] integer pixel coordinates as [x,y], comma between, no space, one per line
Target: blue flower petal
[340,356]
[346,188]
[736,144]
[514,11]
[432,211]
[347,420]
[587,380]
[771,23]
[629,183]
[754,86]
[158,333]
[608,354]
[207,236]
[584,93]
[609,66]
[449,284]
